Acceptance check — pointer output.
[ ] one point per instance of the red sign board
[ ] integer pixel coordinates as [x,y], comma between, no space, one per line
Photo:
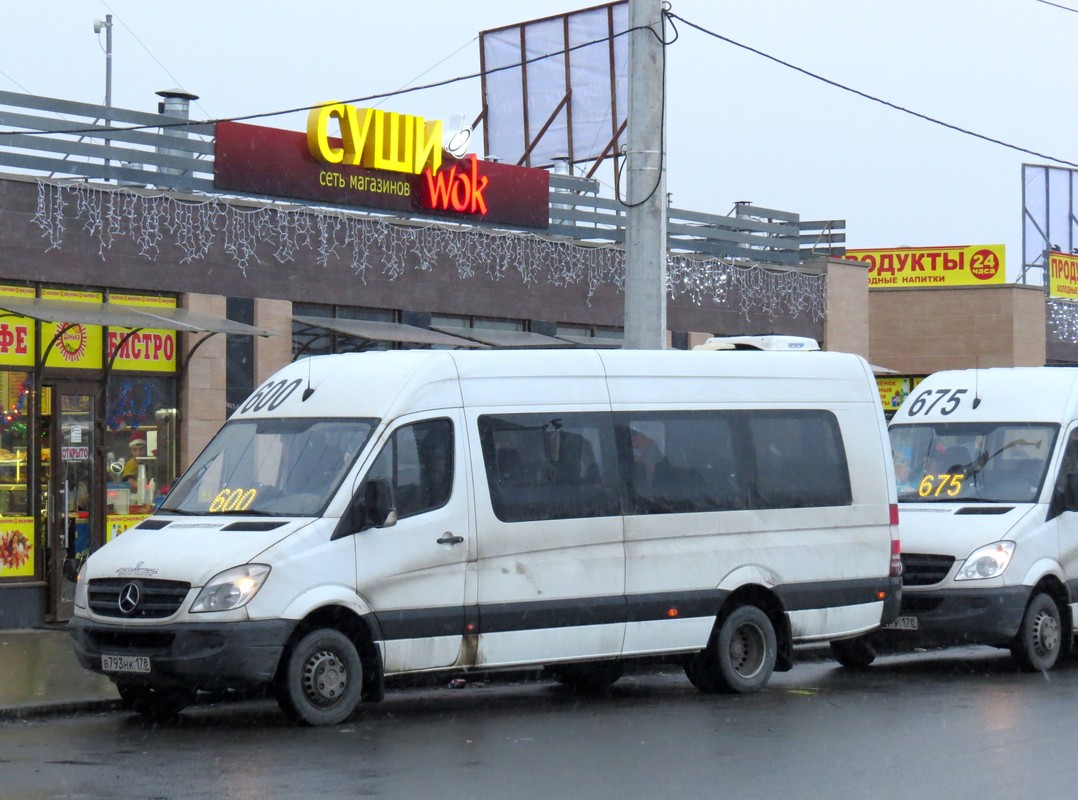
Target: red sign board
[270,161]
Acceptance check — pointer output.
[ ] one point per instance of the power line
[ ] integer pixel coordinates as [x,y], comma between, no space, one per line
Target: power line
[299,109]
[873,98]
[1057,5]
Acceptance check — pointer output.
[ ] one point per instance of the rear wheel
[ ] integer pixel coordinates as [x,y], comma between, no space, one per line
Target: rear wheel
[320,682]
[588,678]
[153,702]
[742,656]
[1039,642]
[856,653]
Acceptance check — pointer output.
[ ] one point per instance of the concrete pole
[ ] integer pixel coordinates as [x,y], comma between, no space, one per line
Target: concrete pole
[645,240]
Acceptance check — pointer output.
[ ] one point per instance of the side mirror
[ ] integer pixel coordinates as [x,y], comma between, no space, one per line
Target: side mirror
[379,510]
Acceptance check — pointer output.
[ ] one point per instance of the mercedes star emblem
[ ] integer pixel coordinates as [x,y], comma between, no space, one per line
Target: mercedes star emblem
[129,597]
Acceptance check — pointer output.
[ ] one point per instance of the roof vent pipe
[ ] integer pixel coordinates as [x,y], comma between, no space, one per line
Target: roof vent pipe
[174,103]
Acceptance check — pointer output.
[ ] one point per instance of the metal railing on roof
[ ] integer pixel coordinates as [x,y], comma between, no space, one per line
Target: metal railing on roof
[66,139]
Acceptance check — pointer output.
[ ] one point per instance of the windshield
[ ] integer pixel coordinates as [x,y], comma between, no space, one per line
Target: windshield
[999,462]
[271,467]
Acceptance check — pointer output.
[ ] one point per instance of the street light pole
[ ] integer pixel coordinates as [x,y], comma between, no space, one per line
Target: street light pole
[107,25]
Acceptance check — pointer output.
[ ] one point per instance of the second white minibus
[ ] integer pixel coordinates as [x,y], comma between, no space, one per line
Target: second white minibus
[987,469]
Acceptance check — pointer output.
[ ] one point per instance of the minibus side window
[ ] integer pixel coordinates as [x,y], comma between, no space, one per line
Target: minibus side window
[550,466]
[800,459]
[1064,495]
[681,462]
[417,463]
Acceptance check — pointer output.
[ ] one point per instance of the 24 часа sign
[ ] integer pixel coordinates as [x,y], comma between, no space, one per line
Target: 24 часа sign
[381,160]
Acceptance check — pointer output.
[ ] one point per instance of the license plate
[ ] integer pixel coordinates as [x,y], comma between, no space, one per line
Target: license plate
[125,663]
[901,624]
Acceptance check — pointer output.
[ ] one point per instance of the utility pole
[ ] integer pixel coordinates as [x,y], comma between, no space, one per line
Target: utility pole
[645,238]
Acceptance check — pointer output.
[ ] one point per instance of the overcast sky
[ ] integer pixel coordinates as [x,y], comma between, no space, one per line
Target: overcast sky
[741,127]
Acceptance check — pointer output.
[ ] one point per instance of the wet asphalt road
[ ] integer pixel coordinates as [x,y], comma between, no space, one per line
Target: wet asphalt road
[946,724]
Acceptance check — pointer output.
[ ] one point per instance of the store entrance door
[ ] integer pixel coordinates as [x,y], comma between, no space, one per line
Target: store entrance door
[67,460]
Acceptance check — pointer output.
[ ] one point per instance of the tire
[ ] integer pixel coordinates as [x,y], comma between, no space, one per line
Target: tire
[700,670]
[1039,642]
[321,679]
[589,678]
[154,703]
[742,656]
[856,653]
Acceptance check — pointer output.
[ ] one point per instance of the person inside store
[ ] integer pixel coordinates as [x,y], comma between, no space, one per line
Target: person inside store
[138,450]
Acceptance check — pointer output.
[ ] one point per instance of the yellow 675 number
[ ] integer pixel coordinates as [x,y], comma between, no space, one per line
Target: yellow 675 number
[944,483]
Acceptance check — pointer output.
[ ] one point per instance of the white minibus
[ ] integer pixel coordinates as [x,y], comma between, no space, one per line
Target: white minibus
[377,514]
[987,470]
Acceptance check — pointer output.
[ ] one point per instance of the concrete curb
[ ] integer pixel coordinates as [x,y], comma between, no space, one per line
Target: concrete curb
[57,708]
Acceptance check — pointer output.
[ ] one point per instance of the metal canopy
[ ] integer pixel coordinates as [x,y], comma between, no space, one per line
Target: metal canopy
[117,316]
[374,331]
[497,337]
[205,322]
[598,342]
[87,314]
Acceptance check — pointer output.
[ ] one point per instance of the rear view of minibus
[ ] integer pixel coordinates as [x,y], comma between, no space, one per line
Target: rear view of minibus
[983,462]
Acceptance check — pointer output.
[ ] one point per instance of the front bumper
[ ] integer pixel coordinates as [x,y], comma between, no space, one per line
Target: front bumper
[197,656]
[962,616]
[892,605]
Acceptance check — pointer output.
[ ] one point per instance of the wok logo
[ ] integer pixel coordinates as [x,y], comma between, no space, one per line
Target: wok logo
[460,191]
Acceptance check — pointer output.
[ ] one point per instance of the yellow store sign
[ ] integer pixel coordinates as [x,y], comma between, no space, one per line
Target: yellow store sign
[926,267]
[71,345]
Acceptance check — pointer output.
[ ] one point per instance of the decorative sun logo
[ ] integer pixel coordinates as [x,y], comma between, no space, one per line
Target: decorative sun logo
[72,344]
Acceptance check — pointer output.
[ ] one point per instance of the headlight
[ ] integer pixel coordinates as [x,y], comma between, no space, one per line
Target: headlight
[986,562]
[80,588]
[231,589]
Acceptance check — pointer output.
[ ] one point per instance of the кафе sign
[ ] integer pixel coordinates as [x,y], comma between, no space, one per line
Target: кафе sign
[381,160]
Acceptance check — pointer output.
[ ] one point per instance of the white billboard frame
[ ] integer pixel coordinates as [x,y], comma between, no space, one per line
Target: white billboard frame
[556,89]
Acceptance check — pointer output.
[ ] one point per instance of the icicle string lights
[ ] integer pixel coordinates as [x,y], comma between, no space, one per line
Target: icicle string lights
[1063,320]
[377,246]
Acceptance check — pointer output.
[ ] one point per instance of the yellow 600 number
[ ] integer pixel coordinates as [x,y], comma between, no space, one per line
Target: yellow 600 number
[233,500]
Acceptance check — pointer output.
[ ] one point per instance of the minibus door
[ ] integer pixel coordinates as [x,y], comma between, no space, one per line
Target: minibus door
[412,572]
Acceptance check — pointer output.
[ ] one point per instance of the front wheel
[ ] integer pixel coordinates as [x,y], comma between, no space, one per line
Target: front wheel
[1039,642]
[856,653]
[320,682]
[742,656]
[153,702]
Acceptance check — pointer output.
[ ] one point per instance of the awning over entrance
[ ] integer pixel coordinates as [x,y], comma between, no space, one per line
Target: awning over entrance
[113,315]
[495,337]
[118,316]
[373,331]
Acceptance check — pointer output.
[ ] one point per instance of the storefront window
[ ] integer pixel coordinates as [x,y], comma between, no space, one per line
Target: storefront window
[141,448]
[17,536]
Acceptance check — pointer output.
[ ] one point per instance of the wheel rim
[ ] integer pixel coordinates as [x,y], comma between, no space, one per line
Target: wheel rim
[1046,634]
[325,679]
[748,648]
